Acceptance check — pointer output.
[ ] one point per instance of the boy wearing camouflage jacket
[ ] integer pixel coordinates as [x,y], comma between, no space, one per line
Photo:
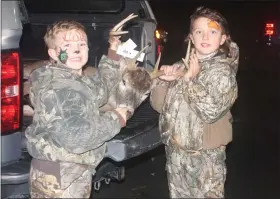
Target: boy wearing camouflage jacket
[195,109]
[68,134]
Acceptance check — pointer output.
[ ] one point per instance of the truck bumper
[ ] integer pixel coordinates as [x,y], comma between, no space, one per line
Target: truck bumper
[136,142]
[15,177]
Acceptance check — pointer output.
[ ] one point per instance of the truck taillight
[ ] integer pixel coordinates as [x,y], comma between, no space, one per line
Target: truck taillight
[158,49]
[10,92]
[269,29]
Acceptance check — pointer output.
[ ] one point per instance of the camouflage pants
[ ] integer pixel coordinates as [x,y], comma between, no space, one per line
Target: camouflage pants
[59,180]
[199,175]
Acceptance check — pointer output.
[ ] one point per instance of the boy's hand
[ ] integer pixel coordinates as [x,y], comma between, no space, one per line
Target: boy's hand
[194,67]
[171,72]
[114,42]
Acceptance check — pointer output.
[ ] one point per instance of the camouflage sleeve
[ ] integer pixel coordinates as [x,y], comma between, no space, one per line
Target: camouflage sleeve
[158,93]
[212,96]
[72,125]
[109,72]
[106,79]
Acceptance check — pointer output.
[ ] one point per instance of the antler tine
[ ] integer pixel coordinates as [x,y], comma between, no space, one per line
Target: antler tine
[157,62]
[187,55]
[116,30]
[140,52]
[188,50]
[156,73]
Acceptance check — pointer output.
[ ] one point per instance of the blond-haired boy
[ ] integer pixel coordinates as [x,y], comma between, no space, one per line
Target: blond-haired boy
[68,134]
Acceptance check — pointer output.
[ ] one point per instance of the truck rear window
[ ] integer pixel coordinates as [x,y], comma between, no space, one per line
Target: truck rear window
[74,6]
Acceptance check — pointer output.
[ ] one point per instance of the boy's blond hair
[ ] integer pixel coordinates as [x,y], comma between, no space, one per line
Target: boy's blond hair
[60,26]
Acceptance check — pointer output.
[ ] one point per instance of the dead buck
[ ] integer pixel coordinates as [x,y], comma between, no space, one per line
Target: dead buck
[136,82]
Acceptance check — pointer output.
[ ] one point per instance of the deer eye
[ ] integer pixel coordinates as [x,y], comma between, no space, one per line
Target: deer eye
[123,81]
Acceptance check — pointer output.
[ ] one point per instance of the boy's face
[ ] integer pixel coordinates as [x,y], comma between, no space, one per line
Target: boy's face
[206,36]
[71,49]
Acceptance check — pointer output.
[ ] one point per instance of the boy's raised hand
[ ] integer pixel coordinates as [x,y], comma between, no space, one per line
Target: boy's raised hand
[194,67]
[114,42]
[170,72]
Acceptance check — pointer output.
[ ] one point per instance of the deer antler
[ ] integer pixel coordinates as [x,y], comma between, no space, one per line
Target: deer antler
[186,60]
[132,63]
[156,73]
[117,30]
[140,52]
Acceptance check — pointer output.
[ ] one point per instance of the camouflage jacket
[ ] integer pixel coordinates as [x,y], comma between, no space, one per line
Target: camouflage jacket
[67,125]
[205,99]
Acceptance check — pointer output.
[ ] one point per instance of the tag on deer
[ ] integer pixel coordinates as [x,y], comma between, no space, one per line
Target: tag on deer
[127,50]
[129,44]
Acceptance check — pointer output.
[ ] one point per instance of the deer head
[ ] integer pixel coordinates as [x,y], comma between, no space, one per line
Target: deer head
[135,85]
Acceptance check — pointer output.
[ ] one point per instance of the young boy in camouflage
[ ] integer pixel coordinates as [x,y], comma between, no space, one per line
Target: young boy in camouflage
[68,134]
[194,120]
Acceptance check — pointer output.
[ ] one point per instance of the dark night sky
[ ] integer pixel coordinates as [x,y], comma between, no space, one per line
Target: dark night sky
[245,20]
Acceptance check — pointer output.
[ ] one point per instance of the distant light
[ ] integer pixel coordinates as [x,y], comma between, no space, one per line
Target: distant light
[269,32]
[157,34]
[269,25]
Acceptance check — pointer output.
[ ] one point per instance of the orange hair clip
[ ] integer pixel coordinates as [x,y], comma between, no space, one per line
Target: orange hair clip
[214,24]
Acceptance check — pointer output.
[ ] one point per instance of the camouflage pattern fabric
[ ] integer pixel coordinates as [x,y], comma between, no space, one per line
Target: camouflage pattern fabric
[67,125]
[186,107]
[59,180]
[196,174]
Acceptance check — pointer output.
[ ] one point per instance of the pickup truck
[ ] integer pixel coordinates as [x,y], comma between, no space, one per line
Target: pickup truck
[24,24]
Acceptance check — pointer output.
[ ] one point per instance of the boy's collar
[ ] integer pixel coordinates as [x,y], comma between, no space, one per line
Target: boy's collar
[64,68]
[217,53]
[209,56]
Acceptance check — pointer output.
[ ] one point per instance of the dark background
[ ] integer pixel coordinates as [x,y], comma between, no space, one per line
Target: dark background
[245,18]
